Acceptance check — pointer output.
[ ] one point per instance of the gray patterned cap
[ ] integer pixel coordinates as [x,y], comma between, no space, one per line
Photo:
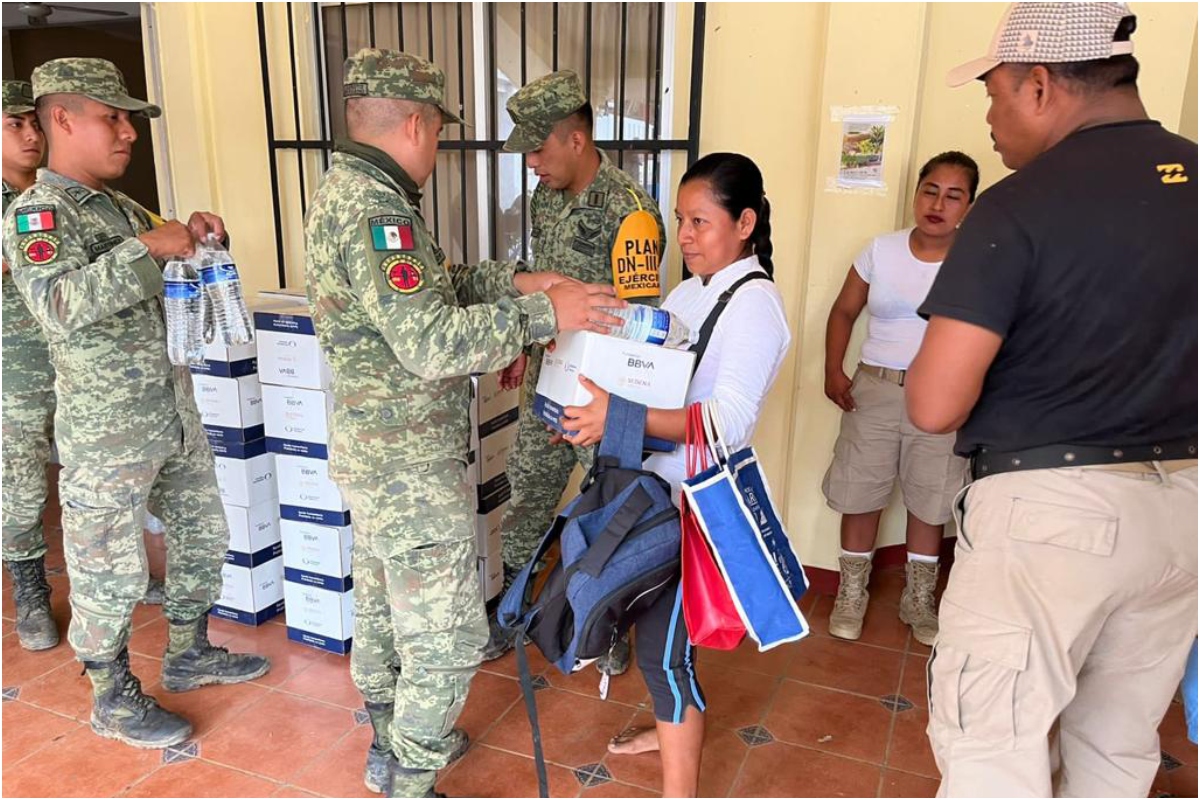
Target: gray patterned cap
[18,97]
[1050,33]
[372,72]
[538,105]
[91,77]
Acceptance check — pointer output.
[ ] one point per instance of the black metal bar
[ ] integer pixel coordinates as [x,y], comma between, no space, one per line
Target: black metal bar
[587,55]
[437,226]
[322,70]
[658,71]
[493,128]
[266,78]
[400,16]
[554,58]
[462,136]
[652,145]
[296,108]
[345,36]
[371,23]
[524,161]
[697,83]
[621,83]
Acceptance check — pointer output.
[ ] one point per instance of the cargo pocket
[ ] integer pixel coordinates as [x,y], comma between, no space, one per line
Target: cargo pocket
[973,673]
[1085,529]
[103,535]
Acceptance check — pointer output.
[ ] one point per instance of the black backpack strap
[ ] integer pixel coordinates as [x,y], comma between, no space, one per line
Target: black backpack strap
[614,532]
[539,758]
[710,324]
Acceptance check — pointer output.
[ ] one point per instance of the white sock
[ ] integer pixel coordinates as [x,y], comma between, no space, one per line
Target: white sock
[919,557]
[851,554]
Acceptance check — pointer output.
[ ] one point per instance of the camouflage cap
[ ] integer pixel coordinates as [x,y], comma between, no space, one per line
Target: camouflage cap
[91,77]
[540,104]
[372,72]
[18,97]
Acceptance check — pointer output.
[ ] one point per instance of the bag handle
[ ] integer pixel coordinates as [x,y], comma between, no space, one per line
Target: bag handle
[624,432]
[695,441]
[622,522]
[710,324]
[714,431]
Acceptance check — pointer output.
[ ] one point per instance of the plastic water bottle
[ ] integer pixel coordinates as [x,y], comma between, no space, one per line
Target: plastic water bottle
[183,301]
[651,325]
[223,288]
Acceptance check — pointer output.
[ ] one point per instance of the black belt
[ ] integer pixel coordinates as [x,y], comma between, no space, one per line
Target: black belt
[986,462]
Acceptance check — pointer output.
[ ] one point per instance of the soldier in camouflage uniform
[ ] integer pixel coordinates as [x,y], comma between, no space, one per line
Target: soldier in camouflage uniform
[87,260]
[28,399]
[577,209]
[403,329]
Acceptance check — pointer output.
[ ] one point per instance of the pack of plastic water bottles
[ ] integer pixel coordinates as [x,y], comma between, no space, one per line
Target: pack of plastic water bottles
[204,303]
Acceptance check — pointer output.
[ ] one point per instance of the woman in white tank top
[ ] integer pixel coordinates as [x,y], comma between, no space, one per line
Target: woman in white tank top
[878,444]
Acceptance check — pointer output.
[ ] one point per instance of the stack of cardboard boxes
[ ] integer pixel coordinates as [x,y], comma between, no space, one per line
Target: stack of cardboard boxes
[229,397]
[315,520]
[493,434]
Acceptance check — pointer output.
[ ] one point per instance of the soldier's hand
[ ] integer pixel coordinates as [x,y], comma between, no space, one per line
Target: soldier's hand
[512,375]
[531,282]
[203,223]
[172,239]
[582,306]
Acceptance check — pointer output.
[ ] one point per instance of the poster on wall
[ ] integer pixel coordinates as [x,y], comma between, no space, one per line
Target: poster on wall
[863,141]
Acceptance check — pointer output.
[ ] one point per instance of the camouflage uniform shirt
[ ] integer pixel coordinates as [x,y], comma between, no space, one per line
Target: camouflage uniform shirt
[95,290]
[575,235]
[401,327]
[26,358]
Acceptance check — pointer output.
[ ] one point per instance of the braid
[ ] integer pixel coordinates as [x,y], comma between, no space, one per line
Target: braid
[761,238]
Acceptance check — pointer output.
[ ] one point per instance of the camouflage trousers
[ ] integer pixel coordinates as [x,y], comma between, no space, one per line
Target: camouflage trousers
[103,512]
[420,626]
[28,418]
[538,472]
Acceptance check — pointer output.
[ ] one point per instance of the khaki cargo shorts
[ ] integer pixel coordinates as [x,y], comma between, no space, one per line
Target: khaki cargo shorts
[878,444]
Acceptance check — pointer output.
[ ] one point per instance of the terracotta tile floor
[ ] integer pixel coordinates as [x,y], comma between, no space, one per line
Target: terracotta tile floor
[816,719]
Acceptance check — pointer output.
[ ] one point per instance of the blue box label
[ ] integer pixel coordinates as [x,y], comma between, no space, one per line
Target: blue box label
[242,452]
[295,447]
[226,369]
[253,618]
[233,436]
[241,559]
[284,323]
[305,578]
[334,519]
[326,643]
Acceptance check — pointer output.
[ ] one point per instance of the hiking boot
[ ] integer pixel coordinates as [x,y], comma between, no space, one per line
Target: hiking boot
[918,609]
[191,661]
[616,660]
[377,776]
[500,639]
[36,629]
[156,592]
[121,711]
[846,619]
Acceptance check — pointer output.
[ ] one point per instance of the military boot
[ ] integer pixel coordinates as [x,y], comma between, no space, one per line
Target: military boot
[191,661]
[121,711]
[36,629]
[918,609]
[378,773]
[616,660]
[846,619]
[419,782]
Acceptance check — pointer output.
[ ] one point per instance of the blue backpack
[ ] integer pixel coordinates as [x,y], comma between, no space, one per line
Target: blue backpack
[620,544]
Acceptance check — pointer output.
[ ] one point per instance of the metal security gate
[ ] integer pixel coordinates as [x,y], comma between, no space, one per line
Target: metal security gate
[476,202]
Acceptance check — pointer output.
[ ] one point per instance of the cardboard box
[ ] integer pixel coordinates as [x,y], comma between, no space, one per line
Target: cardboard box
[493,493]
[288,352]
[653,376]
[491,577]
[228,361]
[492,408]
[487,531]
[317,555]
[251,595]
[231,409]
[249,479]
[306,494]
[296,421]
[318,617]
[491,457]
[254,534]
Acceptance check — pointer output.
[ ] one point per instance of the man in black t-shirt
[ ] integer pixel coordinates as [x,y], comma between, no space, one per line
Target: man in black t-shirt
[1062,345]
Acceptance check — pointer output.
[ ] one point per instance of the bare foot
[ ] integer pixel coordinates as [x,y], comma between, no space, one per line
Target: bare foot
[632,741]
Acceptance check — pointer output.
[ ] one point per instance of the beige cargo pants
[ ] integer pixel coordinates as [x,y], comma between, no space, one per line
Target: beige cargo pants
[1064,630]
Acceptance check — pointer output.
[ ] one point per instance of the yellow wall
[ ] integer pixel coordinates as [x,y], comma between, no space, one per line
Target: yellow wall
[772,73]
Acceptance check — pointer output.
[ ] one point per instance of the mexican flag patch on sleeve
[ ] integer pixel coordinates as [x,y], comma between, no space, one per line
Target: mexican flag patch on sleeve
[31,219]
[391,233]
